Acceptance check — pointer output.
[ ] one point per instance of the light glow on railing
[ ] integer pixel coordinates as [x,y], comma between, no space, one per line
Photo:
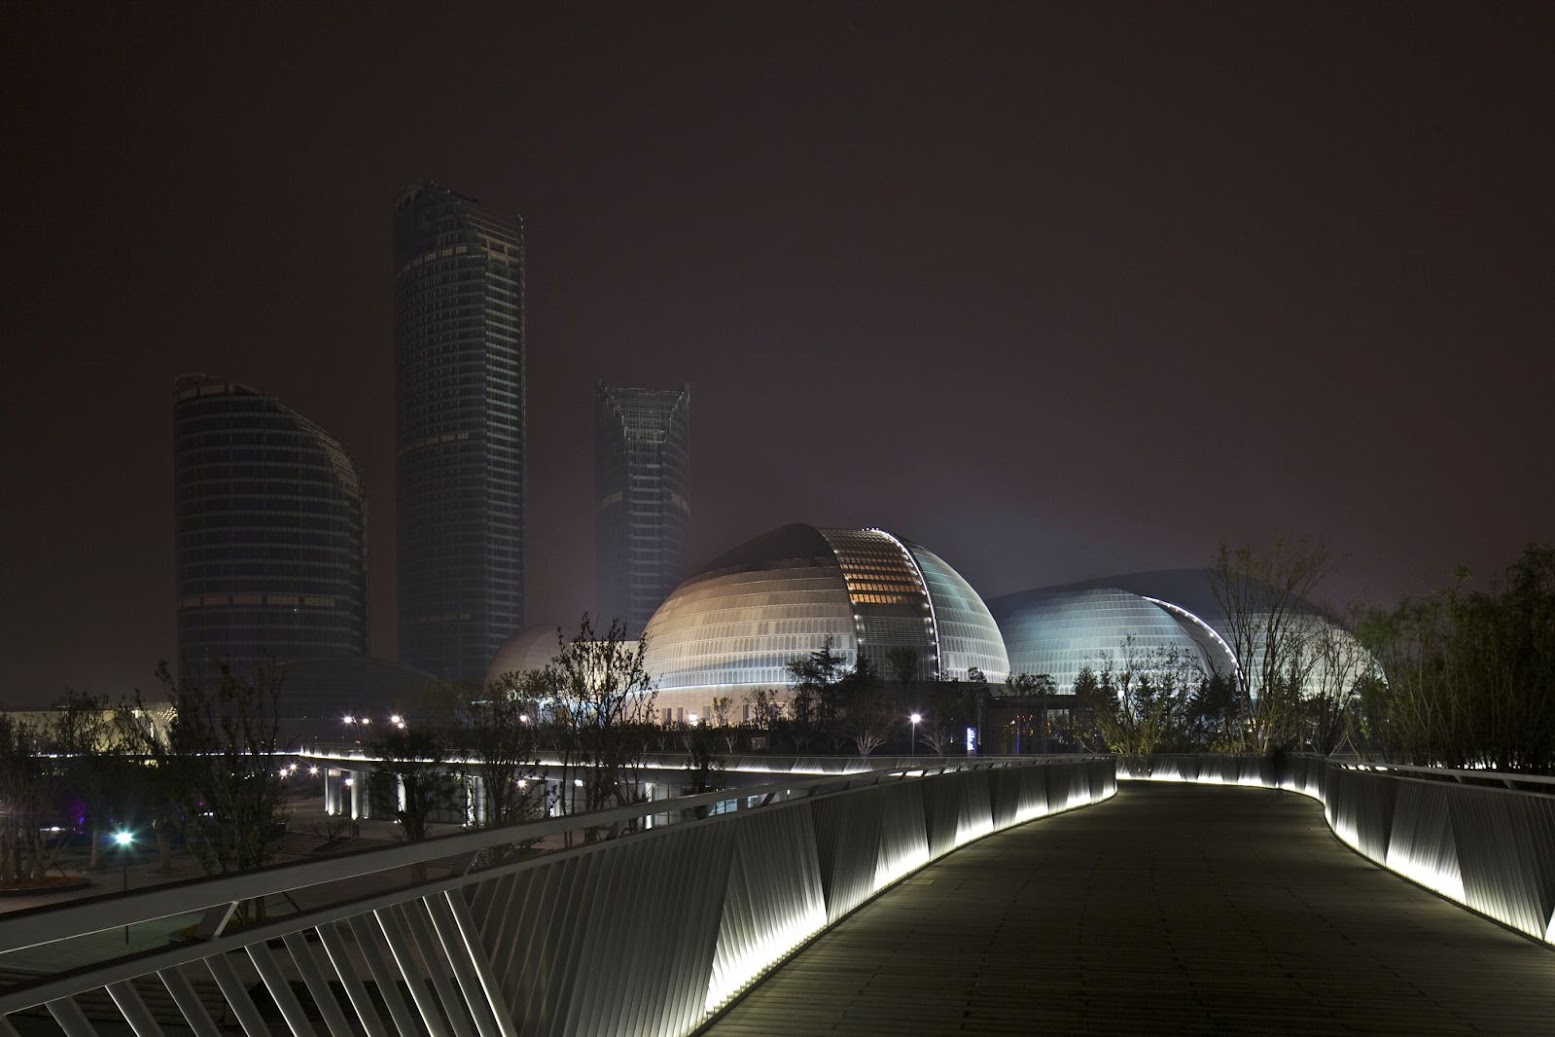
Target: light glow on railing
[1433,875]
[769,900]
[893,868]
[753,960]
[1405,838]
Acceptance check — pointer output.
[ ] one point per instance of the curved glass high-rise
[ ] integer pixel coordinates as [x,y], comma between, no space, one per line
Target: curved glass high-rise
[642,475]
[269,515]
[459,350]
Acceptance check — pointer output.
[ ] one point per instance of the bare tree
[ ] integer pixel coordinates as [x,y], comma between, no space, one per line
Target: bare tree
[1263,599]
[221,755]
[1339,661]
[767,709]
[30,785]
[92,740]
[869,720]
[603,708]
[497,737]
[413,782]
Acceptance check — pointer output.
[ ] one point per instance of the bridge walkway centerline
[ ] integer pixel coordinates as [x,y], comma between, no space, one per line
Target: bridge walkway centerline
[1168,909]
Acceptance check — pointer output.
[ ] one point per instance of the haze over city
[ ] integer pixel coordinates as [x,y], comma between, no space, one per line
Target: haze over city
[1057,291]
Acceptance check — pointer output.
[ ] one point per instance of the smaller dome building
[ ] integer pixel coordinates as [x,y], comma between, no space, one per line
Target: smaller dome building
[1167,613]
[532,648]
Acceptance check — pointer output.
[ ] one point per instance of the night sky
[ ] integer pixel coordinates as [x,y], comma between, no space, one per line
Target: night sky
[1056,290]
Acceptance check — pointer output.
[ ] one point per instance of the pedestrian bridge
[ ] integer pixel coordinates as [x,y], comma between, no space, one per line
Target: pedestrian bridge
[782,909]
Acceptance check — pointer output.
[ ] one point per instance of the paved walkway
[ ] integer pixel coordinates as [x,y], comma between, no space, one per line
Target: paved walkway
[1169,909]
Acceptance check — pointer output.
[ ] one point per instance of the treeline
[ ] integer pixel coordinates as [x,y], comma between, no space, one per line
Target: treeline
[205,772]
[1467,677]
[1460,678]
[592,708]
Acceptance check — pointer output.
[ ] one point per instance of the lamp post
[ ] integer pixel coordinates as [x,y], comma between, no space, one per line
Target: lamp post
[914,743]
[124,840]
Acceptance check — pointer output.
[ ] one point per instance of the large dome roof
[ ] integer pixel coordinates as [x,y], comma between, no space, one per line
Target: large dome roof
[777,597]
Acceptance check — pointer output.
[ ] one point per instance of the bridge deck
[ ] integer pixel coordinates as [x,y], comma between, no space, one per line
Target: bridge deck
[1170,909]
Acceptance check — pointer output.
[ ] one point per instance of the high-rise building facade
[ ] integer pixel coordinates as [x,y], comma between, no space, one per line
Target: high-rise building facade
[269,514]
[459,350]
[642,471]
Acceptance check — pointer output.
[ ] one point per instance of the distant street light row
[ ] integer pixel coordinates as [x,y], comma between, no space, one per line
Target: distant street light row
[396,719]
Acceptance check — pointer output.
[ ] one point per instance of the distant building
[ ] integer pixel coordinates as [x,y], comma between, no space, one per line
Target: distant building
[459,349]
[531,649]
[269,518]
[734,626]
[1167,619]
[642,472]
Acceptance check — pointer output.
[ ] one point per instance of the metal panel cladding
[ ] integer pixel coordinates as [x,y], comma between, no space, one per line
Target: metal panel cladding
[459,349]
[642,475]
[744,628]
[269,516]
[1060,631]
[891,607]
[778,597]
[968,635]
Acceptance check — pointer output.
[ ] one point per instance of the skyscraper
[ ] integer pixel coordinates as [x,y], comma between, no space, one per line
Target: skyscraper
[459,350]
[642,472]
[269,515]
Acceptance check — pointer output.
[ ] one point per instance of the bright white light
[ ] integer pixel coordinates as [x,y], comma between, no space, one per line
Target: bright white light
[123,838]
[348,719]
[916,717]
[313,770]
[396,719]
[737,969]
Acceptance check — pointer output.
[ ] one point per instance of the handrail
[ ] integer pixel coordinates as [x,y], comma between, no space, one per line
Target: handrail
[20,929]
[721,897]
[1512,780]
[817,764]
[1480,838]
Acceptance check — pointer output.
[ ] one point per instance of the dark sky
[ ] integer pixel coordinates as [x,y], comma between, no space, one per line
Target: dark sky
[1053,289]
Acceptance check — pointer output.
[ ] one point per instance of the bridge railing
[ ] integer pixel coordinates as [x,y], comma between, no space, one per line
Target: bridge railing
[630,929]
[1481,838]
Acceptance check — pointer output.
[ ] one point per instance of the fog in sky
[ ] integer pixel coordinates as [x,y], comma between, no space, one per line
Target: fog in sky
[1056,290]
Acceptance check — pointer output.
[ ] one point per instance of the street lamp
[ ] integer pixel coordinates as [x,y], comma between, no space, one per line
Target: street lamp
[124,840]
[915,718]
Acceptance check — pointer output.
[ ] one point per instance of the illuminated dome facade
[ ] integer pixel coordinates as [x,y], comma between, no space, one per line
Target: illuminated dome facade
[1059,630]
[736,625]
[533,648]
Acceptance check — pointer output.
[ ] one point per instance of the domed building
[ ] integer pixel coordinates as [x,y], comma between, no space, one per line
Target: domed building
[532,648]
[1167,613]
[1061,630]
[734,627]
